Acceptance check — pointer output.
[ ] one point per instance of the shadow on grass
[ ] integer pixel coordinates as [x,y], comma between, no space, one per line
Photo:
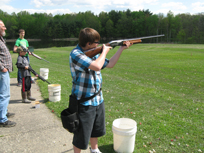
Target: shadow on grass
[107,148]
[45,100]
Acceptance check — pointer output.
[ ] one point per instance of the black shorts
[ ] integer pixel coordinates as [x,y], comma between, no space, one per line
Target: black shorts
[92,124]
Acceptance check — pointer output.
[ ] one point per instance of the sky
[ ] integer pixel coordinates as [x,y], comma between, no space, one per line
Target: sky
[96,6]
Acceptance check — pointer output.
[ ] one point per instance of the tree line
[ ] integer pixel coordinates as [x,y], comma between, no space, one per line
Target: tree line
[181,28]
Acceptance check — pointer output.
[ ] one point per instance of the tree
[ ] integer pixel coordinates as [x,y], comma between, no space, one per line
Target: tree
[103,17]
[124,27]
[181,36]
[110,28]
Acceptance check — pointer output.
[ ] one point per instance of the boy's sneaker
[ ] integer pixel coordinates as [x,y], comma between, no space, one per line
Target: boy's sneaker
[94,151]
[26,101]
[8,124]
[10,115]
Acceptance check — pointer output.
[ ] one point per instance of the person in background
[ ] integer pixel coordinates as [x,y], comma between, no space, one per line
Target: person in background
[5,68]
[21,41]
[87,80]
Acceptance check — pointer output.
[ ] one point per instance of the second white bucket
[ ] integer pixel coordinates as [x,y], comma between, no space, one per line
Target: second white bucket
[124,131]
[54,92]
[44,73]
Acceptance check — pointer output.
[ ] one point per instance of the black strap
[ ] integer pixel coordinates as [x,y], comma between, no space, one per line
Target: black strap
[88,98]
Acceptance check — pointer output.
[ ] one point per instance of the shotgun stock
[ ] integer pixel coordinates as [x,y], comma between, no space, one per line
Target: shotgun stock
[94,51]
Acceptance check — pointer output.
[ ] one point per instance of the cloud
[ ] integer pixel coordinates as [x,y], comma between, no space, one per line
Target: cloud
[52,11]
[174,5]
[4,1]
[198,6]
[90,3]
[9,9]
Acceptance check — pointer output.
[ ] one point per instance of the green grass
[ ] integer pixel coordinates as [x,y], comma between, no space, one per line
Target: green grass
[160,86]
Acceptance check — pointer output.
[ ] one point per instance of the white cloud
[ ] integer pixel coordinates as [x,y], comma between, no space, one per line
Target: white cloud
[53,11]
[198,6]
[97,6]
[91,3]
[175,5]
[9,9]
[4,1]
[165,11]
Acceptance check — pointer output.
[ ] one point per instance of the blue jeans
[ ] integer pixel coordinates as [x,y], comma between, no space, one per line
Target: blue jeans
[4,95]
[19,78]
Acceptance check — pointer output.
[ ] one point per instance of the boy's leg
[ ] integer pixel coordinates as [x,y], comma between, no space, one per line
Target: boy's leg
[28,83]
[29,96]
[23,91]
[32,81]
[76,150]
[94,143]
[92,119]
[19,78]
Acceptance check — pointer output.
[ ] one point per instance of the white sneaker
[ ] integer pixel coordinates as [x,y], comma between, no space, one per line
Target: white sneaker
[94,151]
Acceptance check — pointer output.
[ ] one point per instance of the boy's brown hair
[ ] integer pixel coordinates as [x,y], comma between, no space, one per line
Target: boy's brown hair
[21,30]
[88,35]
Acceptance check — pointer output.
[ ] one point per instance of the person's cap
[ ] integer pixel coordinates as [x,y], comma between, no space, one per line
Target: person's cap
[20,49]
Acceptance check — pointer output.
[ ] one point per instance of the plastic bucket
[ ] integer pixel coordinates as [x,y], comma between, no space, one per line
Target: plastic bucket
[124,131]
[54,92]
[44,73]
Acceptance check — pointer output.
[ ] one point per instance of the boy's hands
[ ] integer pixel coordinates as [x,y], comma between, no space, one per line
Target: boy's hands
[106,48]
[26,67]
[128,44]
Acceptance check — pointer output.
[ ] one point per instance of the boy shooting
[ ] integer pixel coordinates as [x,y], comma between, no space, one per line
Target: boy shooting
[87,81]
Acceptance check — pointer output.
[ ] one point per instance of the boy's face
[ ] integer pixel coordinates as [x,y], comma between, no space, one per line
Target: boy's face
[22,34]
[22,53]
[93,45]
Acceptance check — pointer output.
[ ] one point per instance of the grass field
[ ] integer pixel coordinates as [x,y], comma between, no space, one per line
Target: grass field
[160,86]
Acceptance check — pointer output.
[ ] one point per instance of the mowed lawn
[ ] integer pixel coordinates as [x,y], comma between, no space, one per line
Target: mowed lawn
[160,86]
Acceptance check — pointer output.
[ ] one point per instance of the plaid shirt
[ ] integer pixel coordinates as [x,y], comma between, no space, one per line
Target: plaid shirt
[5,56]
[86,82]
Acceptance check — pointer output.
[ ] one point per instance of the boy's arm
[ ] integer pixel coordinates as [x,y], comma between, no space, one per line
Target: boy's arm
[20,66]
[19,63]
[31,69]
[99,62]
[116,57]
[15,48]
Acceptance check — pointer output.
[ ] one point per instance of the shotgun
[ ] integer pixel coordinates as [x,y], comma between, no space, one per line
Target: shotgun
[40,77]
[26,49]
[94,51]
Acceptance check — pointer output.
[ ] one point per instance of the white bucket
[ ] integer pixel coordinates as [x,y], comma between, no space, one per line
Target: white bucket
[124,130]
[54,92]
[44,73]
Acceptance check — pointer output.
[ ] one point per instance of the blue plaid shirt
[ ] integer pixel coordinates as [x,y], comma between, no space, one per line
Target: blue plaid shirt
[86,82]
